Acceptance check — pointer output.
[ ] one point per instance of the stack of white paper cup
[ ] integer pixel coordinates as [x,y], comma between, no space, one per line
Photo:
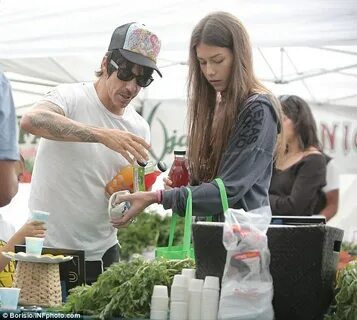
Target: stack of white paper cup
[194,299]
[189,273]
[179,298]
[159,303]
[210,298]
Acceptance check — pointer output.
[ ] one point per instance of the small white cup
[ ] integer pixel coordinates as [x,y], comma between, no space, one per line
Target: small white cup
[195,285]
[180,281]
[160,303]
[9,298]
[34,246]
[38,215]
[189,273]
[160,291]
[178,310]
[179,293]
[179,288]
[158,315]
[194,299]
[211,283]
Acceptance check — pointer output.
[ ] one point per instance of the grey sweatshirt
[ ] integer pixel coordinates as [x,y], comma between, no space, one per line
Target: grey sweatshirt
[245,168]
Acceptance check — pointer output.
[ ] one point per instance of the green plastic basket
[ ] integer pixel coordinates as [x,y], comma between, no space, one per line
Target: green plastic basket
[180,252]
[185,250]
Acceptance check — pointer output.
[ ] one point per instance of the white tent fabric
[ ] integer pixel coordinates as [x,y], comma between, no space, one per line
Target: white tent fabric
[41,28]
[64,41]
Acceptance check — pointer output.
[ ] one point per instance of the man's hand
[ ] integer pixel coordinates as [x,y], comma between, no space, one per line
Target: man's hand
[130,146]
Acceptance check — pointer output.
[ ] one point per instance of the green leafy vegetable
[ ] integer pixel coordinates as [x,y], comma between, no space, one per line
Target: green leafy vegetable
[346,294]
[124,289]
[349,247]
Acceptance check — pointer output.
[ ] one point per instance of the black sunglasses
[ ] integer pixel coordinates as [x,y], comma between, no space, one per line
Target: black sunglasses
[125,74]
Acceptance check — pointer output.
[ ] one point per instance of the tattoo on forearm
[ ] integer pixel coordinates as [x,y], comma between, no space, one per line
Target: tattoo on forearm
[55,108]
[58,130]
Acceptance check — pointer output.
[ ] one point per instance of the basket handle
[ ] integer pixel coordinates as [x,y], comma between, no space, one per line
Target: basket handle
[188,224]
[188,215]
[223,194]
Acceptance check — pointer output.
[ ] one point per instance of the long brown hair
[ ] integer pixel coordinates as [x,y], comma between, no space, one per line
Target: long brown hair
[205,148]
[299,112]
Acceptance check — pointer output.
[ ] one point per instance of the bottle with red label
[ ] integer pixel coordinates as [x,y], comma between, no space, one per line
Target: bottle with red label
[179,171]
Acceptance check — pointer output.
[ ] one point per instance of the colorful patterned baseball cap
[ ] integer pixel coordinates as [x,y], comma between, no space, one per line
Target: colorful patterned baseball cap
[137,44]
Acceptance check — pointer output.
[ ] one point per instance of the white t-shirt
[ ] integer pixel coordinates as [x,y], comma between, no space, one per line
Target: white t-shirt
[332,177]
[7,230]
[69,178]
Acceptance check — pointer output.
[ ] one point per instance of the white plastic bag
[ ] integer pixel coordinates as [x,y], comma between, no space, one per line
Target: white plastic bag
[247,285]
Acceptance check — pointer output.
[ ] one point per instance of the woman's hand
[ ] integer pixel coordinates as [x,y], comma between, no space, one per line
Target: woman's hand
[138,202]
[167,183]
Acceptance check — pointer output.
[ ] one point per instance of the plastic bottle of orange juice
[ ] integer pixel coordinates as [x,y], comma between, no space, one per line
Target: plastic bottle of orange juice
[123,180]
[139,177]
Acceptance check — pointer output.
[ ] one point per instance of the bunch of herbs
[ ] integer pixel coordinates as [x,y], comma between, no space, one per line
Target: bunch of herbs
[124,289]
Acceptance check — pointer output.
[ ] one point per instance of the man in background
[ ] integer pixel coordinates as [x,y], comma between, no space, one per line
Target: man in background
[9,154]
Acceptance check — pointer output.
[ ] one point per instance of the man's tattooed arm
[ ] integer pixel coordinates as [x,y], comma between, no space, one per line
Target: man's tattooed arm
[48,121]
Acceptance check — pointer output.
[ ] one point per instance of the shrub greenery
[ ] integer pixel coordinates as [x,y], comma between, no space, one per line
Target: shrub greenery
[149,230]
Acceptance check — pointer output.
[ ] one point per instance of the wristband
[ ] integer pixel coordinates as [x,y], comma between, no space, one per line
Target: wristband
[159,196]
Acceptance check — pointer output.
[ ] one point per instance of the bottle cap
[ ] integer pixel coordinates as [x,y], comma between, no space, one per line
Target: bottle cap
[162,166]
[141,164]
[150,167]
[179,152]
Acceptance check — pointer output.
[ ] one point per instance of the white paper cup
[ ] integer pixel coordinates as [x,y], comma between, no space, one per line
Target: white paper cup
[194,305]
[178,310]
[160,291]
[195,285]
[211,283]
[180,280]
[34,246]
[160,303]
[158,315]
[189,273]
[38,215]
[9,298]
[179,293]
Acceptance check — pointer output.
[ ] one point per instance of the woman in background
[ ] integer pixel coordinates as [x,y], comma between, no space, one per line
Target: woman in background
[233,126]
[298,179]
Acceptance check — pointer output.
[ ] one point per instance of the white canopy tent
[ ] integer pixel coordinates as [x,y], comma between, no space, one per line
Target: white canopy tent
[295,42]
[306,47]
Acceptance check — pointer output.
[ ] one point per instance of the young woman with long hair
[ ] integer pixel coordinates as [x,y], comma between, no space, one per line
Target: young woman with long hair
[233,126]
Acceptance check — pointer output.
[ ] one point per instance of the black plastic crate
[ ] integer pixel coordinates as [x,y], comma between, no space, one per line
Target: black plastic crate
[303,265]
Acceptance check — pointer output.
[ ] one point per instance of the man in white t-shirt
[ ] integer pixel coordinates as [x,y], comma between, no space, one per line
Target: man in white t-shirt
[90,131]
[331,189]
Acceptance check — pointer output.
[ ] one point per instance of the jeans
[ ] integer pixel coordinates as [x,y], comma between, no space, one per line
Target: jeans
[95,268]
